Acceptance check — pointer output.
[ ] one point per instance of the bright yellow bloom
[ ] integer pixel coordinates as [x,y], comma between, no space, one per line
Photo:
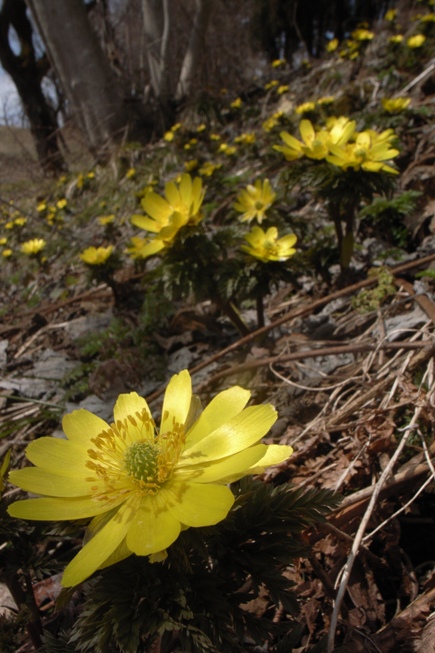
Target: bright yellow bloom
[416,41]
[208,168]
[277,63]
[362,35]
[106,219]
[201,128]
[237,103]
[326,99]
[130,173]
[168,136]
[396,38]
[428,18]
[266,246]
[254,200]
[395,105]
[228,150]
[34,246]
[143,485]
[96,255]
[141,248]
[215,137]
[61,204]
[368,152]
[306,107]
[315,144]
[271,84]
[191,165]
[332,45]
[3,241]
[7,253]
[282,89]
[390,15]
[20,222]
[41,207]
[165,217]
[245,139]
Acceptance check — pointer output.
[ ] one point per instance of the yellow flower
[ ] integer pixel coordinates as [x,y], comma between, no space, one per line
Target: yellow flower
[96,255]
[332,45]
[201,128]
[397,38]
[165,217]
[395,105]
[61,204]
[236,104]
[270,123]
[326,99]
[41,207]
[282,89]
[3,241]
[306,107]
[106,219]
[168,136]
[215,137]
[266,246]
[277,63]
[254,200]
[362,35]
[191,165]
[245,139]
[7,253]
[20,222]
[208,168]
[34,246]
[315,145]
[143,485]
[390,15]
[228,150]
[141,248]
[130,173]
[415,41]
[271,84]
[368,152]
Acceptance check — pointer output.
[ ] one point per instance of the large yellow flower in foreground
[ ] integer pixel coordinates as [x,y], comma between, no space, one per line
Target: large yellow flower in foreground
[254,200]
[181,206]
[143,485]
[266,246]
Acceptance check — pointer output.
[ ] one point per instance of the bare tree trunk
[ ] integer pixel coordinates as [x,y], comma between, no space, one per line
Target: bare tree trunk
[157,24]
[27,73]
[83,70]
[192,58]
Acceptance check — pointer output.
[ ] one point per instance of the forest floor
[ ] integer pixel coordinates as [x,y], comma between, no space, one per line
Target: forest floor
[352,380]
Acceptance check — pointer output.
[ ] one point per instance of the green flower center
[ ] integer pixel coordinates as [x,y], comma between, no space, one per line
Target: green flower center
[259,205]
[141,461]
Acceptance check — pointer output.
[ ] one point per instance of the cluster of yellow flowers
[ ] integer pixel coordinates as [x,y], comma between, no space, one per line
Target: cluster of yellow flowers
[340,144]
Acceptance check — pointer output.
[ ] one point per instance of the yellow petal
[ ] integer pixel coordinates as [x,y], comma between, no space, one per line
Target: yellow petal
[38,481]
[238,433]
[96,552]
[275,454]
[176,404]
[82,425]
[128,405]
[173,194]
[198,505]
[59,509]
[234,466]
[307,132]
[156,207]
[144,222]
[153,527]
[223,407]
[59,456]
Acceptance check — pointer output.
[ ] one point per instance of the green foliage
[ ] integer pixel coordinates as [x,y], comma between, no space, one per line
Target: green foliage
[371,299]
[12,626]
[385,216]
[195,601]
